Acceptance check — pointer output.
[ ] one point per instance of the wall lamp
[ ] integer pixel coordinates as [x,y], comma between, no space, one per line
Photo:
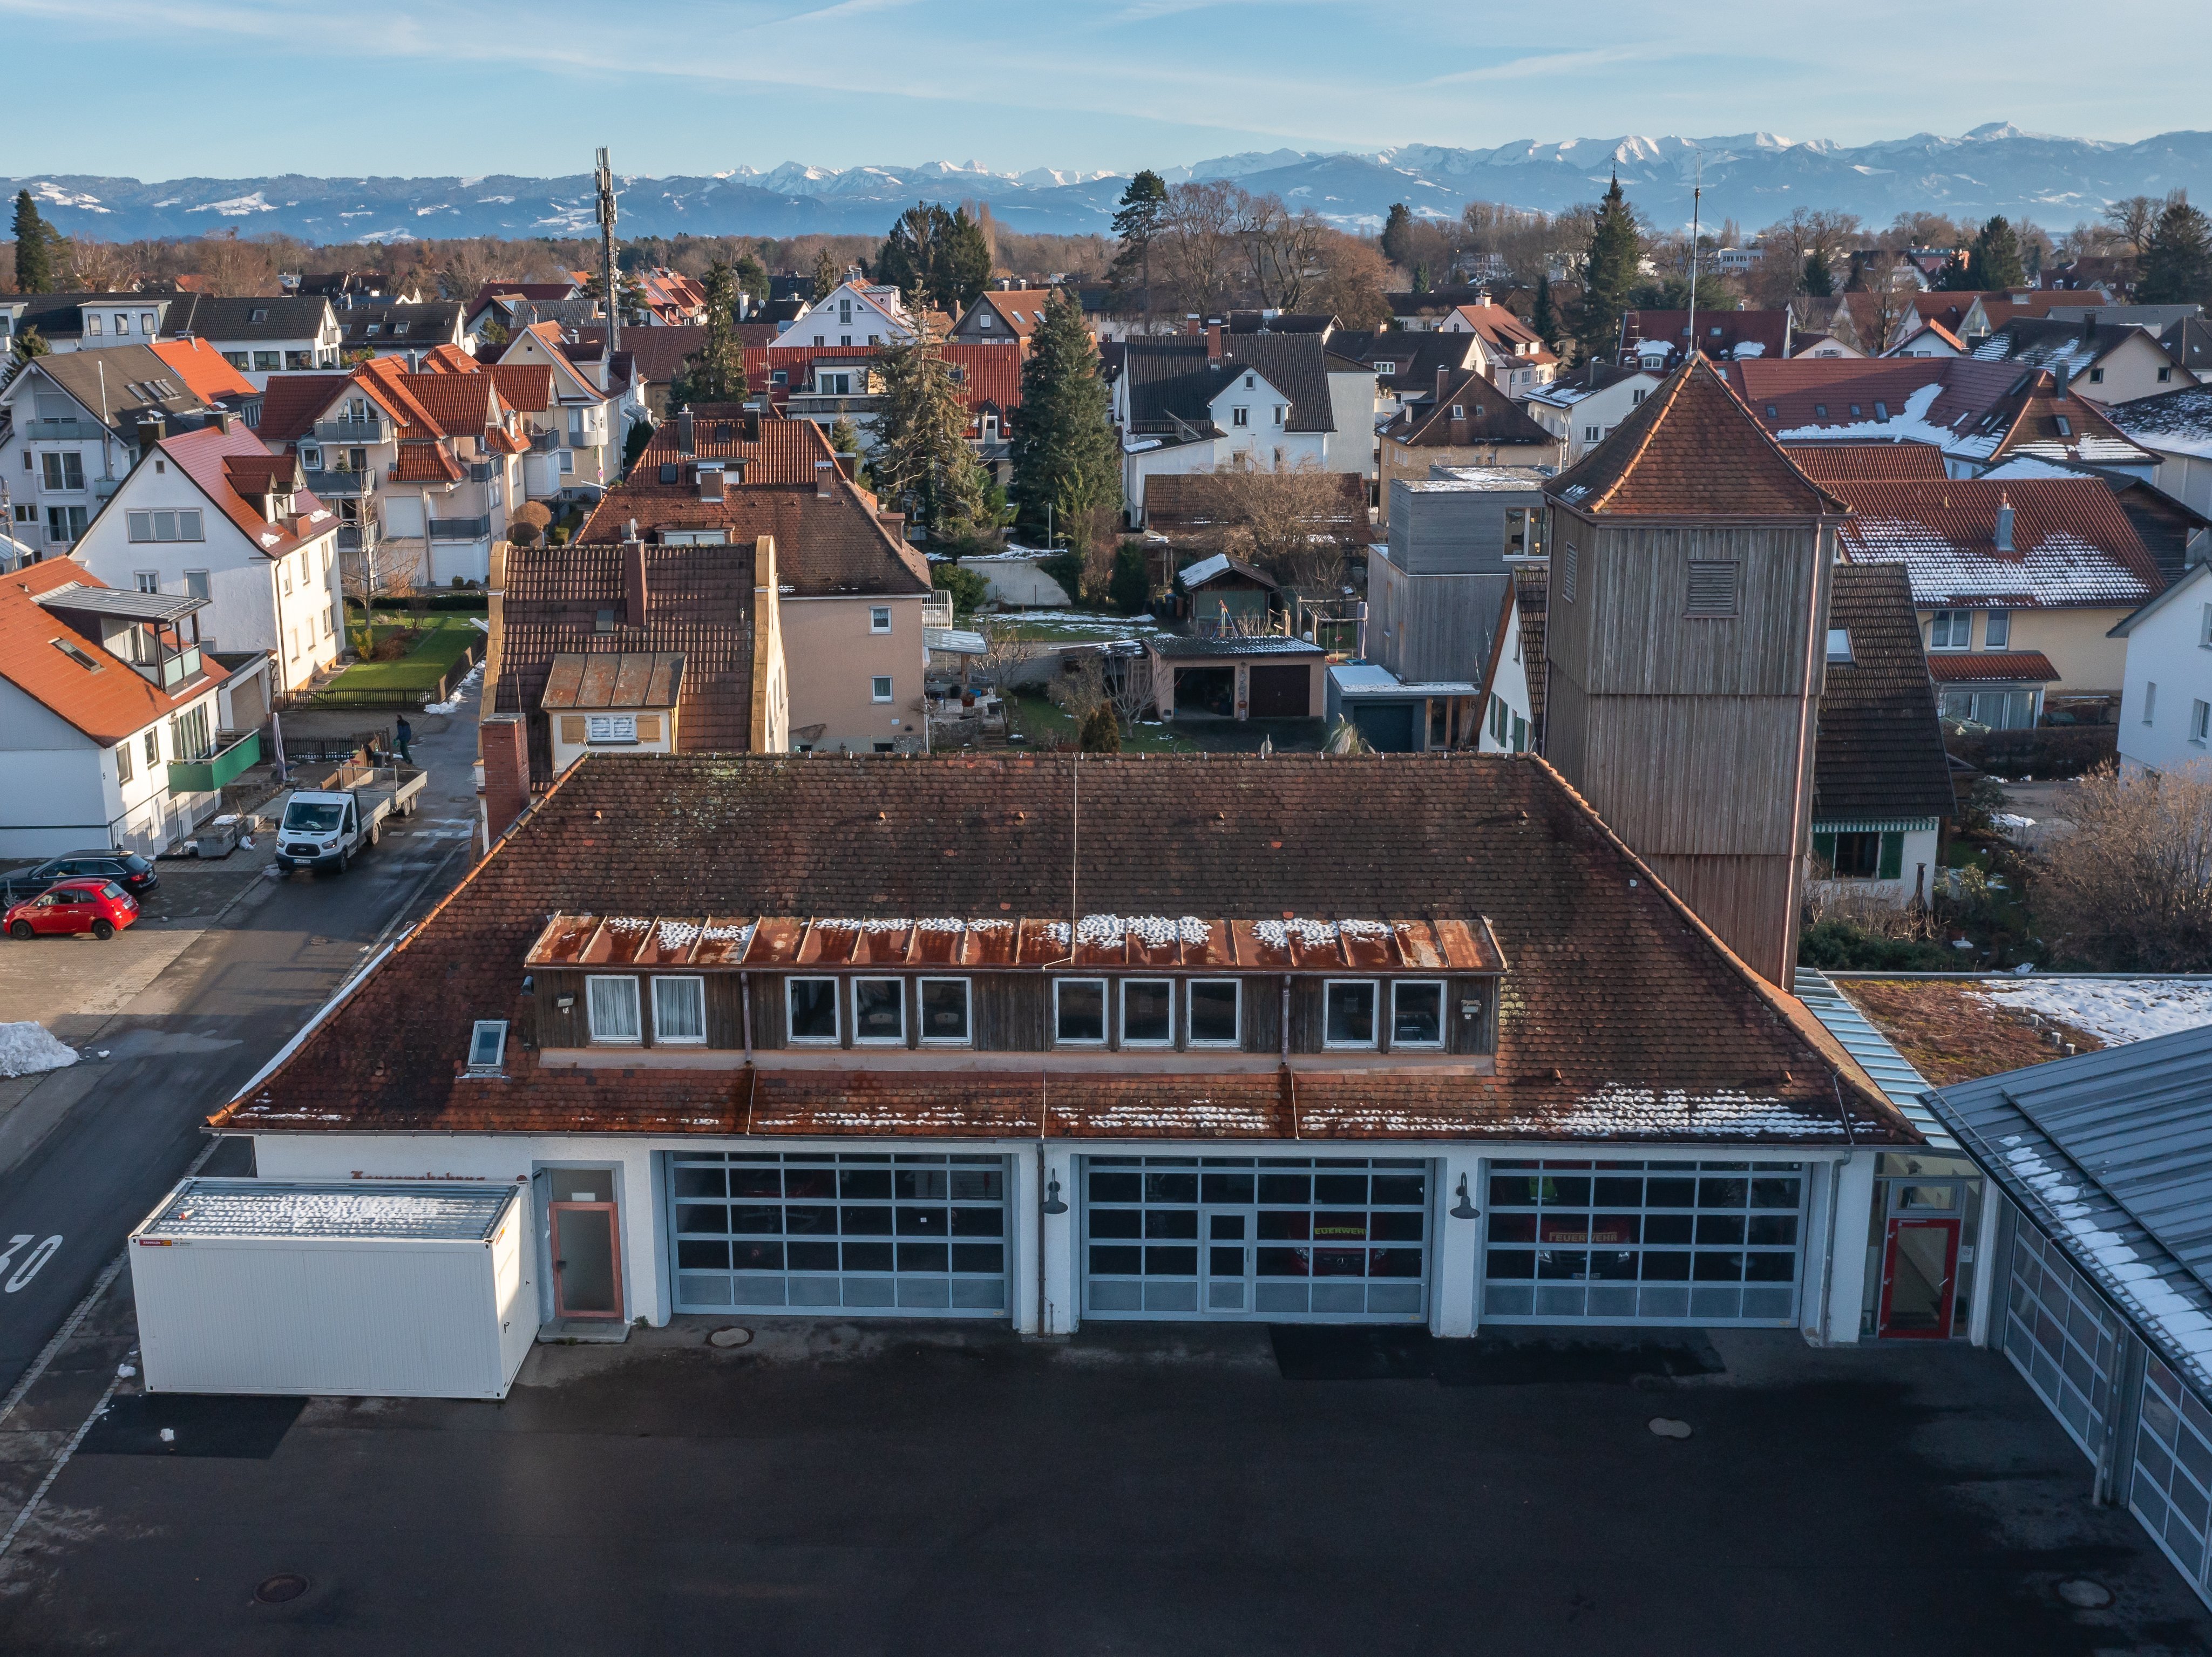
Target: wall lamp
[1052,1202]
[1463,1209]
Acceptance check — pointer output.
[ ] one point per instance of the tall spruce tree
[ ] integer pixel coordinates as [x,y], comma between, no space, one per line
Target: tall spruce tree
[35,247]
[1544,315]
[715,373]
[935,257]
[1064,450]
[1994,261]
[1609,274]
[1137,223]
[922,461]
[827,275]
[1818,280]
[2176,257]
[1397,238]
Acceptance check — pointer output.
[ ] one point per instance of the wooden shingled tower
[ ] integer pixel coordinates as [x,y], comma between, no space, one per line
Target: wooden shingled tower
[1691,564]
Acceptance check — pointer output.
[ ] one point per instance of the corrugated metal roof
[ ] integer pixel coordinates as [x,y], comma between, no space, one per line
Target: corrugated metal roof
[2110,1154]
[377,1212]
[1897,1080]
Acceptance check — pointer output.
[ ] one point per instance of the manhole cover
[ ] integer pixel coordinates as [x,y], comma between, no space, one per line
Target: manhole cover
[2081,1592]
[732,1336]
[277,1589]
[1667,1427]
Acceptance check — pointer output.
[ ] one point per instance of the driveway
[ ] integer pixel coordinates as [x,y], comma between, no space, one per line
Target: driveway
[866,1487]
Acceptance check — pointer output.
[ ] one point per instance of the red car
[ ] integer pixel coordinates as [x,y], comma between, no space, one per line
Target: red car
[99,907]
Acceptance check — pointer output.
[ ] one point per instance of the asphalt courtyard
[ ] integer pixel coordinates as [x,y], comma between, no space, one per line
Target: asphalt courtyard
[915,1488]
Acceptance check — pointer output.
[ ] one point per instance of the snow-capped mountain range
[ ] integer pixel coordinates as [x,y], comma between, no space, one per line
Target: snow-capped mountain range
[1754,178]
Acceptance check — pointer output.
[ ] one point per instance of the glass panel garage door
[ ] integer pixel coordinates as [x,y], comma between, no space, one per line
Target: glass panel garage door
[1643,1242]
[1323,1240]
[2172,1487]
[2061,1335]
[909,1234]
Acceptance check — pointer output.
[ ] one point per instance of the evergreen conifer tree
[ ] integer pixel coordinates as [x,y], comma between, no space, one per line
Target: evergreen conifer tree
[1609,274]
[715,373]
[35,247]
[1544,316]
[1137,223]
[1995,261]
[827,275]
[922,461]
[2176,257]
[1396,241]
[1818,280]
[1065,451]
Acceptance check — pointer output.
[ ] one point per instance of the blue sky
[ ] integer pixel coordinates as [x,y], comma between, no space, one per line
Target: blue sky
[168,89]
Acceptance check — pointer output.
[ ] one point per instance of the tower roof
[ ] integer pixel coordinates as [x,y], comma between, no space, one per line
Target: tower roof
[1691,449]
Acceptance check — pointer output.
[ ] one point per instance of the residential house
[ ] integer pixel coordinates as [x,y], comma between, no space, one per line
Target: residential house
[852,592]
[856,313]
[659,356]
[2106,362]
[1003,313]
[1423,310]
[1183,516]
[1658,339]
[2166,699]
[1189,402]
[71,426]
[1441,661]
[76,322]
[827,384]
[261,336]
[2112,274]
[1465,421]
[402,329]
[2188,340]
[1034,1088]
[2018,584]
[670,299]
[1690,566]
[503,304]
[345,287]
[1268,321]
[1512,355]
[2045,417]
[580,434]
[1823,345]
[423,470]
[2175,426]
[1404,365]
[107,715]
[1881,780]
[1987,313]
[1928,339]
[1580,408]
[211,515]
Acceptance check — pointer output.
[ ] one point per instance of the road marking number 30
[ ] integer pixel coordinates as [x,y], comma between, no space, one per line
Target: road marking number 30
[37,1258]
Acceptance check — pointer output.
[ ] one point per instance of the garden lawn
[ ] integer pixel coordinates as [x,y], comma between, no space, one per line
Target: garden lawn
[1041,721]
[444,646]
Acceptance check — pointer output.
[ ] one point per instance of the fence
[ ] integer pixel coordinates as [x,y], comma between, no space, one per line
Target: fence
[2042,751]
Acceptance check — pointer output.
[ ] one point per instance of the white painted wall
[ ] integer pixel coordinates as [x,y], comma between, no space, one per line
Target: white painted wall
[2169,649]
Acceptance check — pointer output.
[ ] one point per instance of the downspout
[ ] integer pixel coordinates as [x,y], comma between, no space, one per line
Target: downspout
[1835,1193]
[746,992]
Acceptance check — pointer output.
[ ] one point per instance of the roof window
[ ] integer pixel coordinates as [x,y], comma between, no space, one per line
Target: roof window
[260,315]
[2065,426]
[76,655]
[1773,413]
[1820,411]
[487,1047]
[1839,646]
[1882,412]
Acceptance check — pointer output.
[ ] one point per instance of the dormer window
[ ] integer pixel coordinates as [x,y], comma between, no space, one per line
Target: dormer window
[260,315]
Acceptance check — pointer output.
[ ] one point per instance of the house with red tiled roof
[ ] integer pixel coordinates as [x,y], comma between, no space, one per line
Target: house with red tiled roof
[1659,339]
[582,430]
[855,313]
[839,1039]
[212,516]
[2018,583]
[1003,313]
[108,715]
[1514,357]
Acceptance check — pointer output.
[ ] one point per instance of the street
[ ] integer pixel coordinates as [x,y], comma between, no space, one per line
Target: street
[86,1152]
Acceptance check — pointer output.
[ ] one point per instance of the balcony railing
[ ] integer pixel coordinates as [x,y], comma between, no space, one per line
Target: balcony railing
[375,430]
[205,776]
[460,529]
[540,442]
[339,484]
[57,431]
[481,471]
[104,488]
[349,537]
[171,671]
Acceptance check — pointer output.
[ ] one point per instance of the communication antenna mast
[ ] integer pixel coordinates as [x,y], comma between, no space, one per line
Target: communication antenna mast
[605,181]
[1696,200]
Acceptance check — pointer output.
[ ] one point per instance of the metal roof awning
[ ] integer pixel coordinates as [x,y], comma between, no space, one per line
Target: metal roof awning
[614,679]
[1900,1083]
[122,605]
[953,641]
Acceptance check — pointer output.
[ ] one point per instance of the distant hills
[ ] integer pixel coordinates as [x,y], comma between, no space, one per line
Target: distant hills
[1752,178]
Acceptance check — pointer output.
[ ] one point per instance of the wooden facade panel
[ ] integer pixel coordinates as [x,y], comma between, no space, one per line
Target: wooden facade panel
[1751,903]
[1695,775]
[556,1028]
[770,1022]
[1478,1034]
[725,1010]
[1642,641]
[1262,1015]
[1430,628]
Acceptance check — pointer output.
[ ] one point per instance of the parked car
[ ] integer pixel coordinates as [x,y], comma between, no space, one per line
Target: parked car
[133,873]
[99,907]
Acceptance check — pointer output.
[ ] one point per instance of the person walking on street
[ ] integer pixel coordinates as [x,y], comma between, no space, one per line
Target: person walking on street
[406,735]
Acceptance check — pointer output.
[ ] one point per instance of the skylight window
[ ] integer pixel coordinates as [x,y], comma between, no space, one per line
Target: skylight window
[2065,426]
[487,1045]
[1839,646]
[259,314]
[76,655]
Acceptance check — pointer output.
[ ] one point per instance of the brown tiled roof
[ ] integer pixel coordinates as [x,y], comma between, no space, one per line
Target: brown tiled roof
[2072,545]
[462,405]
[109,701]
[1880,752]
[425,462]
[294,403]
[1691,449]
[1988,666]
[1814,391]
[1492,417]
[770,449]
[527,386]
[1621,1016]
[826,545]
[699,605]
[1834,462]
[1532,592]
[207,456]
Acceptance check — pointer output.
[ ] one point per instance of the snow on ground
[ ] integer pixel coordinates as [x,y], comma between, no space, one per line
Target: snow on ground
[2112,1010]
[26,1049]
[462,692]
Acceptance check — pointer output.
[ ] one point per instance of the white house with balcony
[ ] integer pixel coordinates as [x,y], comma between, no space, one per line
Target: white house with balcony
[109,717]
[70,427]
[212,515]
[853,313]
[261,336]
[578,450]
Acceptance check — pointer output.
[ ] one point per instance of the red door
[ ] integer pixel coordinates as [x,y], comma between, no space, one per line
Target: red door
[1920,1279]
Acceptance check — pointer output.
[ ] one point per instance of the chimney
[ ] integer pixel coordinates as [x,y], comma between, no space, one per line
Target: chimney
[2004,524]
[633,581]
[895,522]
[710,483]
[752,425]
[1444,384]
[150,432]
[504,741]
[825,475]
[1190,323]
[221,419]
[684,433]
[1214,344]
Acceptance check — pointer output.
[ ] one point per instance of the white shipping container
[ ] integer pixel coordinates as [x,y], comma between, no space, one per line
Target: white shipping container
[351,1288]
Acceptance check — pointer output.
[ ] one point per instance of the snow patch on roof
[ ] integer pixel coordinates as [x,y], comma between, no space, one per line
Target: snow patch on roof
[2112,1009]
[1911,425]
[1620,1107]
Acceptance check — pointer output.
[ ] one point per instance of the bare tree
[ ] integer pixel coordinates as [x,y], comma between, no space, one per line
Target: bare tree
[1198,241]
[2130,889]
[2131,218]
[1132,692]
[235,269]
[1294,522]
[1080,694]
[1878,302]
[1005,651]
[1352,279]
[100,267]
[1281,250]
